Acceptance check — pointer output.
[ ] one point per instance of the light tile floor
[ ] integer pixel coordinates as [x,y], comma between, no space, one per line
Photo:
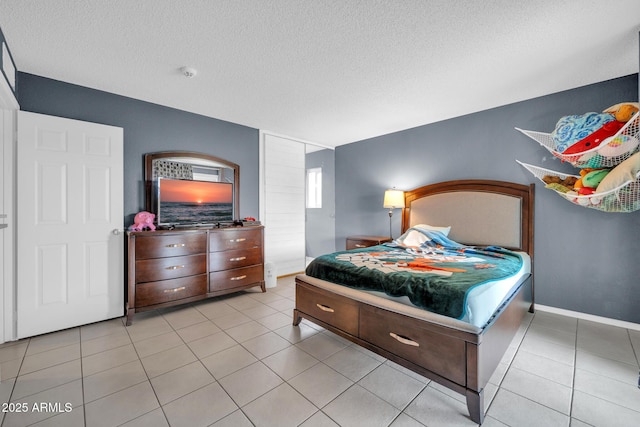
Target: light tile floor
[238,361]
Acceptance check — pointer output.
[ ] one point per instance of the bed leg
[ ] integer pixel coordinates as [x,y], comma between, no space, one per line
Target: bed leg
[475,405]
[296,317]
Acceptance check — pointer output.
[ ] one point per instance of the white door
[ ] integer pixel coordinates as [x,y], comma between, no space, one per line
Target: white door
[3,222]
[6,225]
[284,203]
[8,107]
[70,214]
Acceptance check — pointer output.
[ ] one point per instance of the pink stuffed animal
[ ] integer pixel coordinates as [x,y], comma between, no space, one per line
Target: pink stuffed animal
[142,221]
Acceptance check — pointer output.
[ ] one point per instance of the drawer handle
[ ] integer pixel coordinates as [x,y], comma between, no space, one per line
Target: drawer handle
[404,340]
[241,239]
[175,267]
[176,245]
[239,277]
[325,308]
[181,288]
[358,245]
[240,258]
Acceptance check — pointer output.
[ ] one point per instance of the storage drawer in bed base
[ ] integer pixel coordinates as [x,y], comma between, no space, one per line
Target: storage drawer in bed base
[299,315]
[411,340]
[335,310]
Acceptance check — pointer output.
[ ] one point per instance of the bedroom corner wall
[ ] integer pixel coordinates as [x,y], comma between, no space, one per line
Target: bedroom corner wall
[8,71]
[321,223]
[585,260]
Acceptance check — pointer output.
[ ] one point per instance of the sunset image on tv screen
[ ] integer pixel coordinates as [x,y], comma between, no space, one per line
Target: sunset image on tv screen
[189,202]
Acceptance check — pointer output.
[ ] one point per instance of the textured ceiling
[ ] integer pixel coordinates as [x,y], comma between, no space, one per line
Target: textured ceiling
[326,71]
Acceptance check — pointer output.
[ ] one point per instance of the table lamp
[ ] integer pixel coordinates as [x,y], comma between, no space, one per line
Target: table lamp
[393,199]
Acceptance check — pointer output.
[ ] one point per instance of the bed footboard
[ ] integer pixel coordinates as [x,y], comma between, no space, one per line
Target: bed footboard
[460,360]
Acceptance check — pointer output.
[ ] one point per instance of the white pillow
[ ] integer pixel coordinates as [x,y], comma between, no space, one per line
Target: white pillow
[411,238]
[443,230]
[621,174]
[414,238]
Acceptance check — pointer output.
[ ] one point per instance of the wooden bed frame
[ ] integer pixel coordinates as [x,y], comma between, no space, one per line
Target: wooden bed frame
[455,354]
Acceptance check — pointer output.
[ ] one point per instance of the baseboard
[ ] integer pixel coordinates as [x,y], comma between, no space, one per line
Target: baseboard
[284,276]
[591,317]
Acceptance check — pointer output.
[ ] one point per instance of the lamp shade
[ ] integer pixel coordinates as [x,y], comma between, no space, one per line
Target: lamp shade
[393,199]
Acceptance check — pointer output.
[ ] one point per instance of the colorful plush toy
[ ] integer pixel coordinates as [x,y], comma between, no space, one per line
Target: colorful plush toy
[623,111]
[583,186]
[577,134]
[595,138]
[589,180]
[574,129]
[618,146]
[593,178]
[142,221]
[559,184]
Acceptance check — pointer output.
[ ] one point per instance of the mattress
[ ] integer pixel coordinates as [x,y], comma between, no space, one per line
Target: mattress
[482,301]
[427,269]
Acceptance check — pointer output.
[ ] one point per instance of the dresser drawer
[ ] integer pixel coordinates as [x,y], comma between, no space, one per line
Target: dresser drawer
[335,310]
[235,278]
[236,238]
[170,290]
[160,246]
[151,270]
[234,259]
[411,340]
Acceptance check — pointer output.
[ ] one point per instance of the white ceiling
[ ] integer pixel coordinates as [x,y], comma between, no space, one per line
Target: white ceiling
[326,71]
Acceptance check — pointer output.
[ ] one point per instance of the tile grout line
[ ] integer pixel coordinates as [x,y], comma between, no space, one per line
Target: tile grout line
[216,380]
[575,367]
[84,409]
[518,347]
[635,353]
[146,374]
[15,380]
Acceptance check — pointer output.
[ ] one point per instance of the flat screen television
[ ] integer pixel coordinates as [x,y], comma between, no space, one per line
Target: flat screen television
[187,202]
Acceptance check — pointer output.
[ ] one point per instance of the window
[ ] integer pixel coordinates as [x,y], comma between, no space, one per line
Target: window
[314,188]
[205,173]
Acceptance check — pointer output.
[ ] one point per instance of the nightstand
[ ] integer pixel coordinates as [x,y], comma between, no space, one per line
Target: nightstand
[355,242]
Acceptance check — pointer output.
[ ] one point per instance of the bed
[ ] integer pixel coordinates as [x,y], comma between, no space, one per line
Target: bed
[454,352]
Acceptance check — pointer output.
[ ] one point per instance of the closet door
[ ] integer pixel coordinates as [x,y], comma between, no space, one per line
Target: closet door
[7,225]
[70,217]
[284,203]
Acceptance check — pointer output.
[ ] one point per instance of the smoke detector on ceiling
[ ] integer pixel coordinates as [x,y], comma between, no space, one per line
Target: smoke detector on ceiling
[188,72]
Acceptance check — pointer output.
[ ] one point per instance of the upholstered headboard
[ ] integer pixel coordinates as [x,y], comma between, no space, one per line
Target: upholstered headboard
[480,212]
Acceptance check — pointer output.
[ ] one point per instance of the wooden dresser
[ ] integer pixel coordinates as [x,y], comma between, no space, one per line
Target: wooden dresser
[170,267]
[355,242]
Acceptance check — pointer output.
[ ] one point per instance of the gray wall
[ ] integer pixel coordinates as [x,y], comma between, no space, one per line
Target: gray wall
[320,223]
[585,260]
[148,127]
